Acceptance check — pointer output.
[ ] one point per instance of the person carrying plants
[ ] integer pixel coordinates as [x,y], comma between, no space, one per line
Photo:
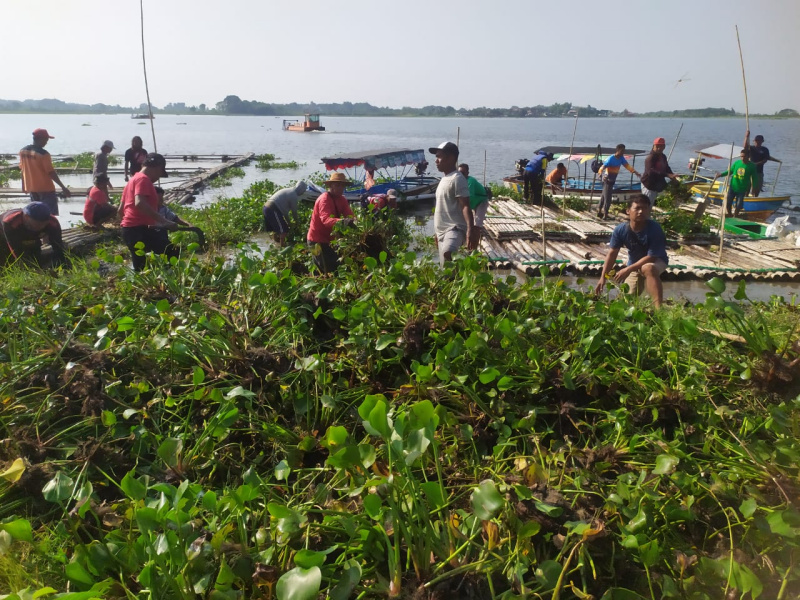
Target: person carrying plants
[378,202]
[139,210]
[608,175]
[134,157]
[329,209]
[647,251]
[21,233]
[97,209]
[743,177]
[453,222]
[277,209]
[656,169]
[164,246]
[38,173]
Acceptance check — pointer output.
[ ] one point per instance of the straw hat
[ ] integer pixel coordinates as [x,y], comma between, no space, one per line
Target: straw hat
[337,178]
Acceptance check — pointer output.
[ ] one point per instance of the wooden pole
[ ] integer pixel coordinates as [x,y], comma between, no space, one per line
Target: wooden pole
[724,209]
[744,81]
[484,168]
[544,238]
[675,142]
[571,146]
[458,136]
[146,87]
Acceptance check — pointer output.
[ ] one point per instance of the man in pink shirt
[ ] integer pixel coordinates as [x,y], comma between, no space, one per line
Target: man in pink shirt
[139,209]
[330,208]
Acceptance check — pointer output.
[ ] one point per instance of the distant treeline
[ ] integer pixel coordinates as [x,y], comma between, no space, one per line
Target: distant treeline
[233,105]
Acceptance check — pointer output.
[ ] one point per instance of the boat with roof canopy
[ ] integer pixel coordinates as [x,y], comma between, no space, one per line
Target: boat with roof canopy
[758,208]
[401,169]
[581,179]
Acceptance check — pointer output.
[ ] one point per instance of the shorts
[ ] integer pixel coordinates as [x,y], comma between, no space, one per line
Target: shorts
[652,194]
[636,279]
[102,213]
[450,241]
[49,198]
[274,220]
[480,213]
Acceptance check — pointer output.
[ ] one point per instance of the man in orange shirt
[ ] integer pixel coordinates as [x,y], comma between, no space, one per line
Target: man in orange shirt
[38,174]
[557,177]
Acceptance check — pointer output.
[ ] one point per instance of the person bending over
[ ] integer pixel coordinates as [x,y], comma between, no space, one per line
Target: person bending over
[22,231]
[98,209]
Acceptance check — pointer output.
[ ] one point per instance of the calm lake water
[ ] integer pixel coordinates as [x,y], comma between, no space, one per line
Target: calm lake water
[501,141]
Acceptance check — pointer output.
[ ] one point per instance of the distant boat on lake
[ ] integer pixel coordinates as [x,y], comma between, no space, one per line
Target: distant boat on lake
[143,116]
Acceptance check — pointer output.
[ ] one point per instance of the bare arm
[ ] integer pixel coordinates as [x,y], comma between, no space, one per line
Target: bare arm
[622,274]
[54,176]
[143,206]
[611,259]
[472,232]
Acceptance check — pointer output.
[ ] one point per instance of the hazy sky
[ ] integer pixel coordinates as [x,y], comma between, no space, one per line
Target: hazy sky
[497,53]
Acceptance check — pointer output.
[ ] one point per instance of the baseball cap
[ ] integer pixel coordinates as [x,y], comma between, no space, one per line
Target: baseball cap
[154,159]
[758,138]
[41,133]
[391,193]
[448,147]
[659,142]
[38,211]
[109,143]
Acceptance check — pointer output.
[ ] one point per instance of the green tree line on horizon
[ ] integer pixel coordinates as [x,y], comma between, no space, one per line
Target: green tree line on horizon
[233,105]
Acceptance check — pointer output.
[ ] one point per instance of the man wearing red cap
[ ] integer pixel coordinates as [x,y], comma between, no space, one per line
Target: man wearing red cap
[38,174]
[656,168]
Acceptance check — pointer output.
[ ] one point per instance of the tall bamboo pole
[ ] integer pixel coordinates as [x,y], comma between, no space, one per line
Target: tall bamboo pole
[146,87]
[675,142]
[569,158]
[724,209]
[744,81]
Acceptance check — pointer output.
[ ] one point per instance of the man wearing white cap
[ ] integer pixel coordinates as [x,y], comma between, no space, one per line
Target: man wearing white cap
[453,222]
[101,159]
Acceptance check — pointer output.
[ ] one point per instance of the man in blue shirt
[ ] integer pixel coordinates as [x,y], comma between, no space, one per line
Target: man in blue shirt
[533,176]
[759,155]
[647,251]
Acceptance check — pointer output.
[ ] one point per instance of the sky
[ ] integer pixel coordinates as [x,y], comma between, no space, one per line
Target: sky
[469,53]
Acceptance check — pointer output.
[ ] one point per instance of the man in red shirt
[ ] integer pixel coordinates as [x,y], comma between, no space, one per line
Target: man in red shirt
[330,208]
[21,233]
[139,209]
[97,208]
[38,174]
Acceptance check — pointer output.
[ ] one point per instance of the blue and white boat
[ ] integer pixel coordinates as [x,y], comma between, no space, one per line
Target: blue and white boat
[401,169]
[755,208]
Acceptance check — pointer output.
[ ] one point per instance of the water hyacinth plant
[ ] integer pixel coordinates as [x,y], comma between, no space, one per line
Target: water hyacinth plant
[240,428]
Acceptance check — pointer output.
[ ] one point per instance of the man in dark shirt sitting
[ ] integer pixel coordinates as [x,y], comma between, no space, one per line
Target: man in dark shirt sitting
[21,233]
[647,251]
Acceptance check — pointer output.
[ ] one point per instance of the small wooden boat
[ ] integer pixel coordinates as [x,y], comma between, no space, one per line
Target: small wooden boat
[309,123]
[757,231]
[139,117]
[399,169]
[755,208]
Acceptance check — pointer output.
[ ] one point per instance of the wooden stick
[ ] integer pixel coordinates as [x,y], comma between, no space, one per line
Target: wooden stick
[744,81]
[724,209]
[571,146]
[675,142]
[484,168]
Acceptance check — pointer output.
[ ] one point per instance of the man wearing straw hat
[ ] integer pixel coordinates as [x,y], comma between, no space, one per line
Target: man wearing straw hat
[330,208]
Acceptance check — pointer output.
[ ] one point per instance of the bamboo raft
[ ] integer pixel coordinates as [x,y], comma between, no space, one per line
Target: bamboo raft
[183,193]
[578,243]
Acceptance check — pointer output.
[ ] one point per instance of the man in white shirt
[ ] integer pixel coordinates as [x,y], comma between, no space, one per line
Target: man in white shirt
[452,219]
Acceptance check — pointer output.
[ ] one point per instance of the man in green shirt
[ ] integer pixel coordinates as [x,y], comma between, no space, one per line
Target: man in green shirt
[743,173]
[478,195]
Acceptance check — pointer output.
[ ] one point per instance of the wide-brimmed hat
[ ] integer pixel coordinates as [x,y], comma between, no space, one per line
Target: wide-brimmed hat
[391,193]
[337,178]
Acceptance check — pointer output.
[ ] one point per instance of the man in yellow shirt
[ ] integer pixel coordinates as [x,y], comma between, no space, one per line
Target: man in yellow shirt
[38,175]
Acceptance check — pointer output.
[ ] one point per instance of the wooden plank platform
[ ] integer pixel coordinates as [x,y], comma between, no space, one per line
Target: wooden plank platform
[508,244]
